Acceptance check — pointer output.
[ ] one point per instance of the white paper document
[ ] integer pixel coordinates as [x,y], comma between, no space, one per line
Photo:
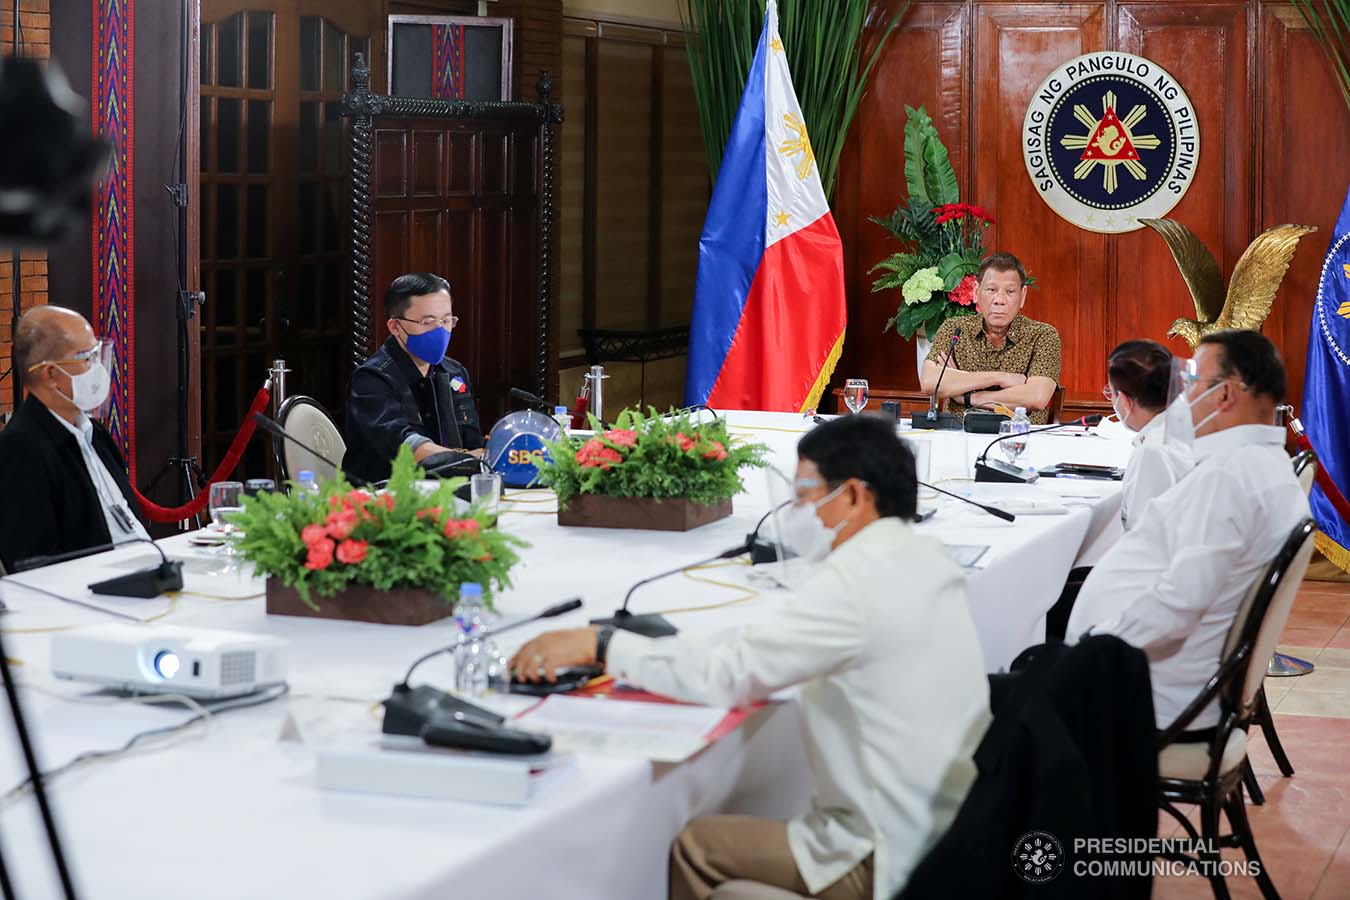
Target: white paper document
[633,729]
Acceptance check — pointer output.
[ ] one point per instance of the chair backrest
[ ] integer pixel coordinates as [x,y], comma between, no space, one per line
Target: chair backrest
[1264,612]
[309,422]
[1305,470]
[1056,404]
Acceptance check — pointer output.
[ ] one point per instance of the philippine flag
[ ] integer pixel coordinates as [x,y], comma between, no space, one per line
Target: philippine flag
[769,310]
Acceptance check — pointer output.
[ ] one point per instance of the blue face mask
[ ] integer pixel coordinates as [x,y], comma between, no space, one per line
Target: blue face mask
[429,346]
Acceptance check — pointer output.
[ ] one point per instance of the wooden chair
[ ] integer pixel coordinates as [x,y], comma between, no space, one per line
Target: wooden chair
[1280,665]
[1056,404]
[1210,775]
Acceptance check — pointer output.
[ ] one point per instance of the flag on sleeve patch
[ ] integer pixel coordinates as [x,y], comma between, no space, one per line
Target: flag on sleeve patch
[459,385]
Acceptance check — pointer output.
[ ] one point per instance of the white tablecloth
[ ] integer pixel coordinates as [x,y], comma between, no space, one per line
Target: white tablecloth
[229,811]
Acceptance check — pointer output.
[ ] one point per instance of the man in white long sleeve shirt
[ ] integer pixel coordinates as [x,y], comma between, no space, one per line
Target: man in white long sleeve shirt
[1173,583]
[890,745]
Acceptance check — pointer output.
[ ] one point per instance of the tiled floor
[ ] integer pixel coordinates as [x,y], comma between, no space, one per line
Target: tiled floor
[1303,831]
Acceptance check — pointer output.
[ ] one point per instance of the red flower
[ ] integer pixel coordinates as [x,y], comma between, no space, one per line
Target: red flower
[312,534]
[335,503]
[352,552]
[320,554]
[623,437]
[486,557]
[685,441]
[431,512]
[718,452]
[964,293]
[456,527]
[386,501]
[358,496]
[594,454]
[341,523]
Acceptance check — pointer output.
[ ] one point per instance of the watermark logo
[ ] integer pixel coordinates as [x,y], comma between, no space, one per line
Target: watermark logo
[1038,857]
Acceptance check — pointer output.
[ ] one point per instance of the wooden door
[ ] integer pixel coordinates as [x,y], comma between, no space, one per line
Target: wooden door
[274,205]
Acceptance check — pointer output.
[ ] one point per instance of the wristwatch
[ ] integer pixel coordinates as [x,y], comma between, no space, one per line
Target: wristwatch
[602,636]
[966,398]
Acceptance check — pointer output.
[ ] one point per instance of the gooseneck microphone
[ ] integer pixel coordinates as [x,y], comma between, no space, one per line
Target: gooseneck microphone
[654,626]
[992,510]
[999,471]
[146,583]
[531,400]
[557,609]
[932,418]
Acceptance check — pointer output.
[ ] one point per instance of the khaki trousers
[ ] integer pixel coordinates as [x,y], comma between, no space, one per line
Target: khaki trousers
[716,849]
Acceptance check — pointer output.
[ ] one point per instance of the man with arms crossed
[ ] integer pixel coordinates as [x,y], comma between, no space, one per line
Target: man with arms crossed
[1001,356]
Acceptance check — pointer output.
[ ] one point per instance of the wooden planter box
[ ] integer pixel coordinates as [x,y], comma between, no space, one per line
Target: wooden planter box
[361,603]
[600,511]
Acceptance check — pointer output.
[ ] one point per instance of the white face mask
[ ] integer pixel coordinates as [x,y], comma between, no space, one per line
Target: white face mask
[1120,416]
[89,389]
[1179,425]
[803,532]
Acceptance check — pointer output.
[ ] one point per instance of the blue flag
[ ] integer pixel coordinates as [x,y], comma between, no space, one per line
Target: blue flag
[1326,390]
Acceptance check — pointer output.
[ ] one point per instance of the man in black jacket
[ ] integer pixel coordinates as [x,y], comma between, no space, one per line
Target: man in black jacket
[63,483]
[409,391]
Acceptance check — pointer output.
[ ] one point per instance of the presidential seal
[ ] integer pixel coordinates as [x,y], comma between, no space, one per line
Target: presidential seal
[1109,139]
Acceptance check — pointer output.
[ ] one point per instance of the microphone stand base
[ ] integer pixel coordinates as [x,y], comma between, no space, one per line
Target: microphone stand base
[646,625]
[145,584]
[938,421]
[1003,473]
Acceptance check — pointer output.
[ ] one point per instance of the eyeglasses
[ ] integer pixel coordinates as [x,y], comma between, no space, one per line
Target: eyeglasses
[446,322]
[82,356]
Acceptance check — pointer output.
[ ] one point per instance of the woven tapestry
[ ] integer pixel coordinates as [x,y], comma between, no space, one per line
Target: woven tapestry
[447,77]
[113,235]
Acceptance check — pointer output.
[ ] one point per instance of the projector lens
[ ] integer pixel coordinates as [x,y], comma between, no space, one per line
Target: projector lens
[166,664]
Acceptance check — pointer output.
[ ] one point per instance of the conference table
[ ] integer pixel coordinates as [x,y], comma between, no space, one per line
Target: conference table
[229,809]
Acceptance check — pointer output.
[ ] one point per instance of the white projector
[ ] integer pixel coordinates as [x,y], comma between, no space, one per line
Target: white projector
[198,662]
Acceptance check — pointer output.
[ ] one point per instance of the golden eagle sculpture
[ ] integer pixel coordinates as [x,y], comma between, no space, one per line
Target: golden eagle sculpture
[1245,302]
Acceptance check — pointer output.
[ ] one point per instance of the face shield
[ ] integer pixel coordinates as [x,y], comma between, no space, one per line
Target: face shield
[90,372]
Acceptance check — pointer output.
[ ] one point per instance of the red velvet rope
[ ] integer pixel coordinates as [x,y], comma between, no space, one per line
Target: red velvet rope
[1338,501]
[156,513]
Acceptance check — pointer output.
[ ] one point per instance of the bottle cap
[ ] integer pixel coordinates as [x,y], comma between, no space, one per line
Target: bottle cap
[1021,411]
[470,589]
[304,475]
[559,410]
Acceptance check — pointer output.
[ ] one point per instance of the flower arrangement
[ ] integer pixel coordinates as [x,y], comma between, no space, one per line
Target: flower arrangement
[321,543]
[653,456]
[942,238]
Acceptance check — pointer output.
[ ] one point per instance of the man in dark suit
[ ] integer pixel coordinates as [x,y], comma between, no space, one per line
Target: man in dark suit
[409,392]
[63,483]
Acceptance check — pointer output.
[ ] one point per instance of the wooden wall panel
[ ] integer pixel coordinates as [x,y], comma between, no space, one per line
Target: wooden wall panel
[1275,148]
[1303,173]
[1205,46]
[1018,46]
[927,65]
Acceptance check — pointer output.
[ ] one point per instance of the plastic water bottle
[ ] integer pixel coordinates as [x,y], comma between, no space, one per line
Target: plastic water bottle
[473,657]
[304,479]
[1021,424]
[563,418]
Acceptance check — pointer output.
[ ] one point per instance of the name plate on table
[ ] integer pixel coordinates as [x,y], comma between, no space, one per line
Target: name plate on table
[408,767]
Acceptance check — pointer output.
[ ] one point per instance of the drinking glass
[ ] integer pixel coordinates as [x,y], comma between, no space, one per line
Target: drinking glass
[485,493]
[855,394]
[227,497]
[1013,447]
